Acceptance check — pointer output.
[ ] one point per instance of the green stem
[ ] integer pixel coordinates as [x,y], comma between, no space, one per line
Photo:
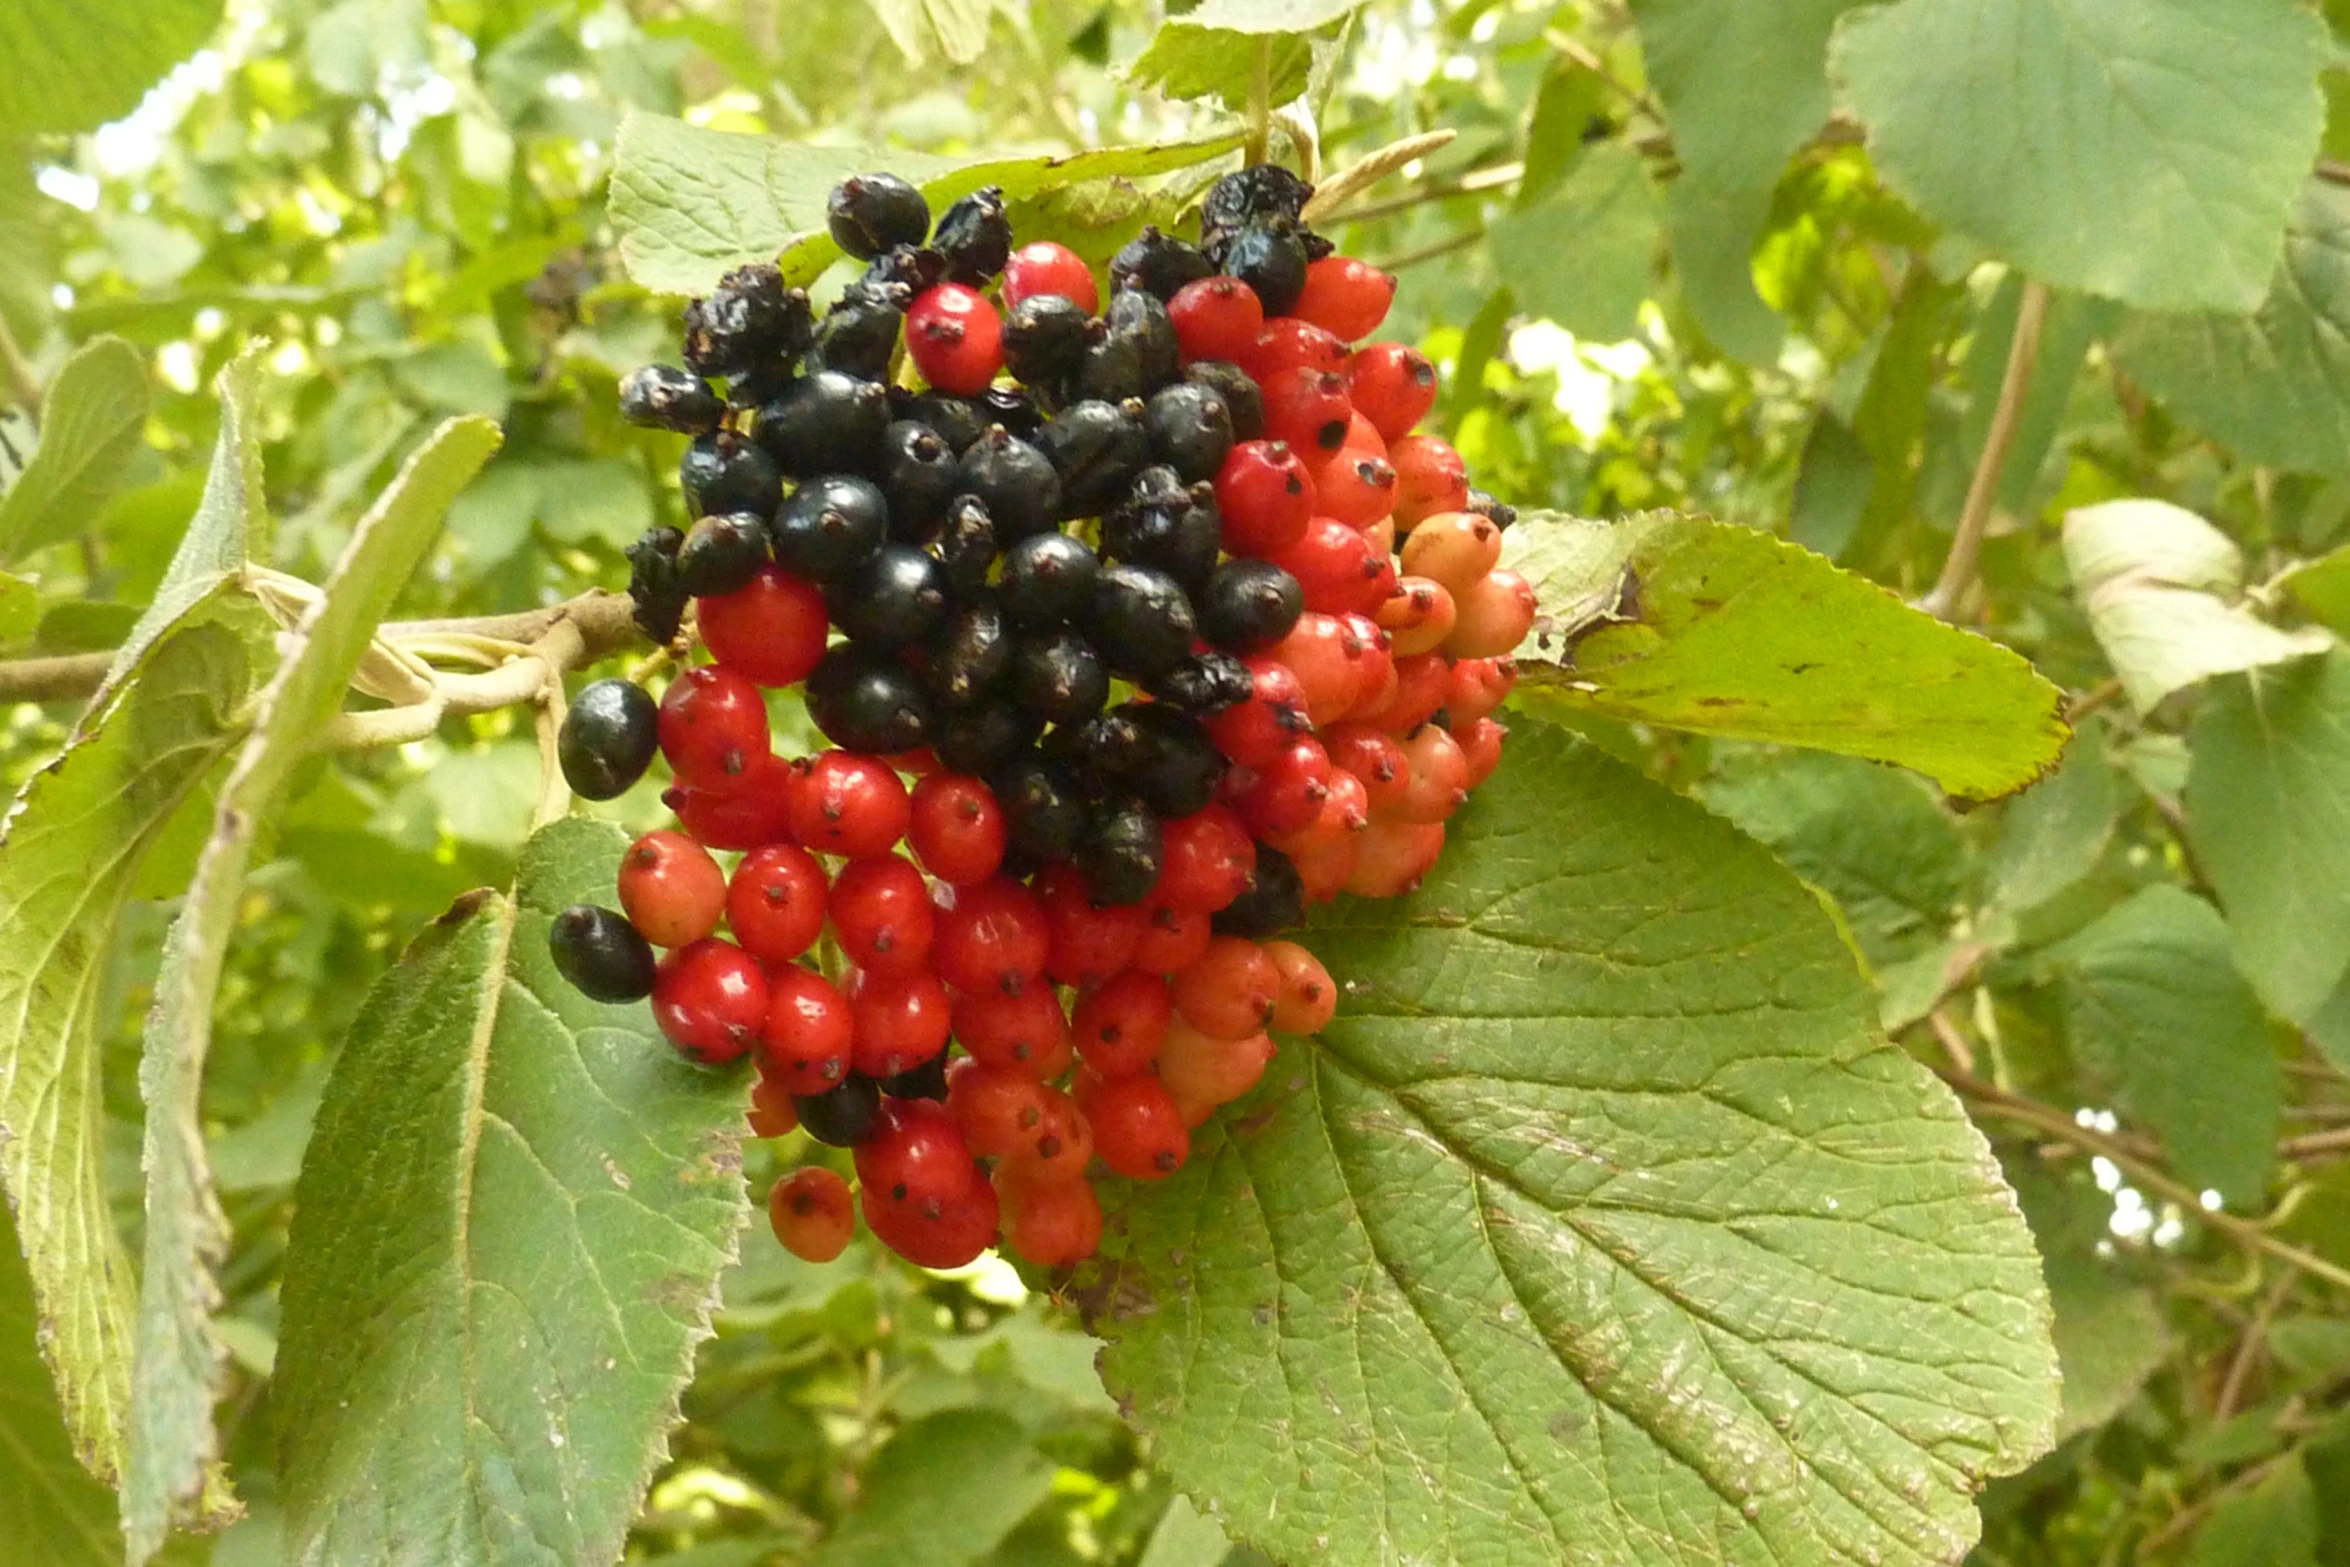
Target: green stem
[1260,103]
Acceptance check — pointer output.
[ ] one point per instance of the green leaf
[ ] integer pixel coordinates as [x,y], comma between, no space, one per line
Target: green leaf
[1744,85]
[2274,386]
[923,29]
[69,854]
[1604,214]
[2090,142]
[20,610]
[1713,235]
[2322,588]
[690,203]
[2110,1338]
[506,1244]
[1186,1537]
[172,1442]
[2055,832]
[942,1493]
[1601,1226]
[2154,1004]
[2159,585]
[92,417]
[1832,487]
[57,1515]
[72,71]
[1211,51]
[2268,810]
[2274,1524]
[1706,626]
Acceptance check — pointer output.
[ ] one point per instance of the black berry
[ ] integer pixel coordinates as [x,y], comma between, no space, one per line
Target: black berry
[1249,604]
[1044,816]
[721,553]
[663,397]
[927,1081]
[859,335]
[917,473]
[1270,259]
[868,213]
[830,526]
[748,320]
[1190,430]
[978,740]
[842,1115]
[1273,901]
[971,655]
[959,421]
[966,544]
[657,596]
[1244,405]
[975,236]
[608,738]
[1045,338]
[1015,480]
[897,597]
[867,701]
[1120,853]
[825,422]
[1204,684]
[1058,677]
[724,472]
[1097,448]
[1157,264]
[601,954]
[1047,579]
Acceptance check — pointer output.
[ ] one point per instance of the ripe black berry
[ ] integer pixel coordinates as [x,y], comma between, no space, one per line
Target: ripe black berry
[842,1115]
[1243,403]
[868,213]
[1016,481]
[1047,578]
[966,544]
[1263,190]
[1097,448]
[748,320]
[1249,604]
[917,474]
[607,739]
[927,1081]
[1168,526]
[975,741]
[1014,409]
[722,553]
[859,334]
[1500,513]
[658,597]
[867,701]
[1157,264]
[1179,766]
[1141,319]
[1058,677]
[1140,620]
[601,954]
[663,397]
[825,422]
[1045,337]
[1204,683]
[1120,853]
[1273,901]
[724,472]
[896,598]
[1110,370]
[910,268]
[1044,816]
[971,655]
[1190,430]
[829,526]
[1270,259]
[959,421]
[1100,750]
[975,236]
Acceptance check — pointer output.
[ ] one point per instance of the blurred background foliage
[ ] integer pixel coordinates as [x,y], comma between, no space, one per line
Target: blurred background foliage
[405,201]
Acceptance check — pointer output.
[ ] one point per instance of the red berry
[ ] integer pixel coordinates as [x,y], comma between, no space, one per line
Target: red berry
[1324,865]
[1172,938]
[713,726]
[1429,478]
[997,1107]
[1291,344]
[1057,1148]
[1476,686]
[710,998]
[1346,809]
[1047,268]
[915,1157]
[1087,944]
[1266,498]
[1495,615]
[775,903]
[1200,1072]
[1419,615]
[896,1021]
[772,1112]
[1229,992]
[1137,1128]
[1393,385]
[1480,741]
[1287,793]
[1326,655]
[955,338]
[991,937]
[1420,684]
[1373,758]
[1216,318]
[843,803]
[1309,997]
[749,811]
[880,908]
[670,888]
[1308,409]
[1363,436]
[1019,1033]
[1051,1223]
[1254,732]
[1440,777]
[812,1213]
[953,1238]
[1393,856]
[1336,569]
[956,828]
[1455,548]
[804,1042]
[1205,860]
[1356,487]
[1345,297]
[771,631]
[1118,1027]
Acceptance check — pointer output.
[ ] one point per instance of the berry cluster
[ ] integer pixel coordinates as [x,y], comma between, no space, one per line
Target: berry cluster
[1173,622]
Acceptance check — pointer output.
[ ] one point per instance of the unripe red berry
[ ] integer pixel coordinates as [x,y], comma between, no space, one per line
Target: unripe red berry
[1026,1032]
[1336,569]
[1288,792]
[1265,497]
[1216,318]
[1374,758]
[880,908]
[1309,997]
[1418,616]
[812,1213]
[952,1238]
[1394,856]
[1477,686]
[1058,1148]
[1326,656]
[992,936]
[1430,478]
[1480,741]
[1172,938]
[1292,344]
[1393,385]
[956,828]
[772,631]
[1053,1224]
[1308,410]
[775,902]
[1048,268]
[1205,859]
[896,1021]
[955,338]
[710,998]
[915,1157]
[1230,991]
[1357,487]
[1201,1072]
[1254,732]
[713,726]
[1088,944]
[1455,548]
[846,804]
[995,1106]
[1118,1026]
[670,888]
[1137,1129]
[749,811]
[1496,612]
[1345,297]
[1420,685]
[1440,776]
[805,1038]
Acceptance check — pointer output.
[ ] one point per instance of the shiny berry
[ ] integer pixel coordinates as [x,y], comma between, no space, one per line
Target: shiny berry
[880,908]
[847,804]
[1265,496]
[1205,861]
[1047,268]
[1474,687]
[1045,338]
[897,597]
[1023,1031]
[1244,403]
[955,339]
[1089,942]
[1058,1148]
[1043,813]
[896,1021]
[1336,570]
[975,236]
[721,553]
[713,726]
[863,700]
[1157,264]
[608,738]
[830,526]
[992,937]
[1119,1025]
[1172,938]
[671,889]
[843,1114]
[1393,385]
[775,902]
[1496,613]
[710,998]
[1394,856]
[828,421]
[869,213]
[1356,487]
[916,1156]
[952,1238]
[725,472]
[663,397]
[1189,430]
[772,1112]
[1216,318]
[1430,479]
[771,630]
[1018,484]
[956,828]
[1141,620]
[813,1214]
[1455,548]
[1274,899]
[1120,853]
[1292,344]
[1309,997]
[1271,260]
[1253,732]
[1047,578]
[1440,777]
[1345,297]
[995,1107]
[1057,677]
[1097,448]
[1419,691]
[917,478]
[1053,1224]
[806,1039]
[1375,760]
[1480,741]
[1137,1129]
[601,954]
[1307,409]
[1288,791]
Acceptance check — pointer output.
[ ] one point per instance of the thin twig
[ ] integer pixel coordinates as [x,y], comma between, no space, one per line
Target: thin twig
[2333,171]
[2248,1347]
[1582,54]
[1429,252]
[1966,546]
[23,385]
[2055,1123]
[2103,694]
[2310,1144]
[1467,184]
